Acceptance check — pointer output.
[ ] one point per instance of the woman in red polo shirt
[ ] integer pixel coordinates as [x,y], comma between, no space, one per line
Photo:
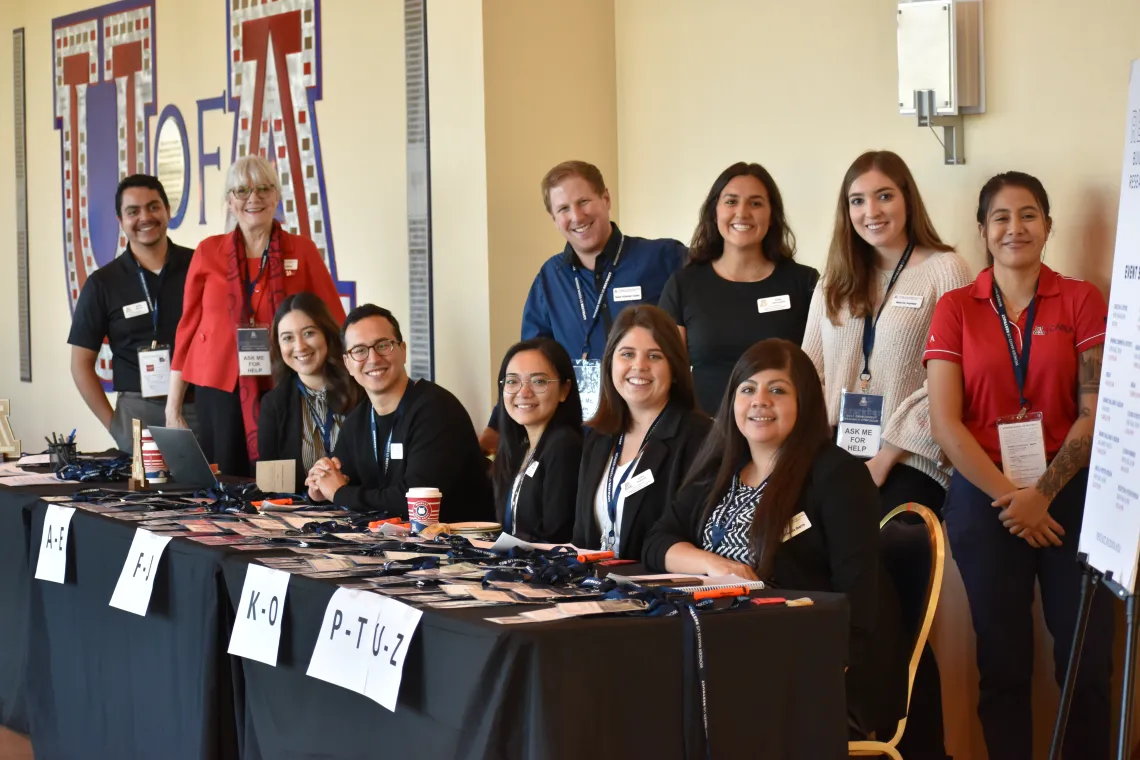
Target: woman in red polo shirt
[235,284]
[1013,364]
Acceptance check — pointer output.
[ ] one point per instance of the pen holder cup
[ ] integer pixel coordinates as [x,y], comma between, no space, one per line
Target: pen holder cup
[61,455]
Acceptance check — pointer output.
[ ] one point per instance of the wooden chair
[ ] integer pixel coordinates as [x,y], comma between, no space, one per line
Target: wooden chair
[875,748]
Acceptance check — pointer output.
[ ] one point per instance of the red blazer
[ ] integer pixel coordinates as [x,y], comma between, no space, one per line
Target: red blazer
[206,344]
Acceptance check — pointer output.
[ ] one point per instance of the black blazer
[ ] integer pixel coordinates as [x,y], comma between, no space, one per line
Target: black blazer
[668,455]
[279,428]
[441,450]
[545,511]
[839,552]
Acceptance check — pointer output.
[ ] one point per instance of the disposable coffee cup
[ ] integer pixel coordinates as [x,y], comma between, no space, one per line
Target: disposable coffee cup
[423,507]
[153,463]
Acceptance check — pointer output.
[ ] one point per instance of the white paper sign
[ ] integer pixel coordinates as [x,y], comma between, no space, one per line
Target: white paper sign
[1110,531]
[362,644]
[257,630]
[52,564]
[136,582]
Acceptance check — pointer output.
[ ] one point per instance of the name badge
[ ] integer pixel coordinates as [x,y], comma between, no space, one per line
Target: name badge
[135,310]
[397,451]
[154,371]
[907,302]
[253,351]
[1022,442]
[290,265]
[775,303]
[532,469]
[860,423]
[628,294]
[637,482]
[796,526]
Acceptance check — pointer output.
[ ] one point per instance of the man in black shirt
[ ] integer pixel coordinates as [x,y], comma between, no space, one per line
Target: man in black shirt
[408,434]
[135,302]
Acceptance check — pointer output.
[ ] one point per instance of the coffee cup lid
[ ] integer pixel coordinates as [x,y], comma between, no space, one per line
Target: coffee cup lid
[424,493]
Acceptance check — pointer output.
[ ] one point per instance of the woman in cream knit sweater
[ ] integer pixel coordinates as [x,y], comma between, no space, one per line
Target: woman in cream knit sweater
[887,268]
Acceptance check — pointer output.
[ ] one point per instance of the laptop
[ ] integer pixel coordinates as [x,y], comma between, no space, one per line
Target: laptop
[189,470]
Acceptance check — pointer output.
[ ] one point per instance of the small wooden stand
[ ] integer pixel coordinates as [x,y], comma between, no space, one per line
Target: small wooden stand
[9,446]
[138,472]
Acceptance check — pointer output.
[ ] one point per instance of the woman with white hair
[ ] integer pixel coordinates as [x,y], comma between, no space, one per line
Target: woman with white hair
[235,284]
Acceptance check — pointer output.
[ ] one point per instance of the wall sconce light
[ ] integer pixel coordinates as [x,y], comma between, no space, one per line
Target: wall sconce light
[942,68]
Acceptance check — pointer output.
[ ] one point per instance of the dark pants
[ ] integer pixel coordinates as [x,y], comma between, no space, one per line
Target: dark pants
[999,570]
[223,433]
[907,551]
[130,405]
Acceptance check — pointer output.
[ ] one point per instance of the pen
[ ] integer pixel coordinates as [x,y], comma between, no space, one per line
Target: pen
[720,592]
[71,438]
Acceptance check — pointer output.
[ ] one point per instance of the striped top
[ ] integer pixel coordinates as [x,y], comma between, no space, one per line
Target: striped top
[313,412]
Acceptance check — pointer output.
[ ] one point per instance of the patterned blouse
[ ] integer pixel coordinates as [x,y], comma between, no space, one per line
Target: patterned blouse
[313,413]
[727,529]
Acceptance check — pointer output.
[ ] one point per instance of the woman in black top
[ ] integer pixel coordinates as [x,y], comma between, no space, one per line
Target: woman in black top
[300,418]
[643,437]
[740,284]
[771,497]
[540,442]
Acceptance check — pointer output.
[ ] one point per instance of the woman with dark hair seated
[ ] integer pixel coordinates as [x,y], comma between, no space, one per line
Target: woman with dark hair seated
[643,437]
[771,497]
[300,418]
[540,442]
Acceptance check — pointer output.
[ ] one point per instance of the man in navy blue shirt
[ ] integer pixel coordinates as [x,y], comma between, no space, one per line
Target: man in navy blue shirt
[579,292]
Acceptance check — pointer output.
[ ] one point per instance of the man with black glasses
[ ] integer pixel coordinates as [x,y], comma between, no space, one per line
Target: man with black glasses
[409,434]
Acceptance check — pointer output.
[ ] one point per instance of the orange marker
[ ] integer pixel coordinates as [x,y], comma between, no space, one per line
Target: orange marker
[278,502]
[595,556]
[718,593]
[375,524]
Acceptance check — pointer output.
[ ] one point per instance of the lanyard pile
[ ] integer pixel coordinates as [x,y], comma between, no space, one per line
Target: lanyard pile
[1020,362]
[869,325]
[601,298]
[614,490]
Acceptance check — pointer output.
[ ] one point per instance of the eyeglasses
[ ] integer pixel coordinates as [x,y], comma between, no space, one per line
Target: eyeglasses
[513,385]
[381,347]
[264,191]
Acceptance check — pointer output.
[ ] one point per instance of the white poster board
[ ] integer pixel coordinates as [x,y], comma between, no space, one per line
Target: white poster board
[1110,534]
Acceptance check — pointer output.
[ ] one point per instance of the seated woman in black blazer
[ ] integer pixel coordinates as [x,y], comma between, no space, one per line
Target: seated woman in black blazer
[771,497]
[312,391]
[643,437]
[540,442]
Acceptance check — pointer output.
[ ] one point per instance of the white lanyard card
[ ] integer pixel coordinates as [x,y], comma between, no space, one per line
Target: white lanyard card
[860,423]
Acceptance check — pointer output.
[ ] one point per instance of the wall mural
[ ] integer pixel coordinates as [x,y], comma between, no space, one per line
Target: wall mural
[107,93]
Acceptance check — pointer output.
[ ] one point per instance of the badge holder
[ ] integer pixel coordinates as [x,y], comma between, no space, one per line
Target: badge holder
[588,373]
[1022,440]
[860,423]
[253,350]
[154,370]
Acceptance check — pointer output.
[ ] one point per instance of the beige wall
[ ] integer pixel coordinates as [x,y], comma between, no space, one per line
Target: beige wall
[363,105]
[805,87]
[550,96]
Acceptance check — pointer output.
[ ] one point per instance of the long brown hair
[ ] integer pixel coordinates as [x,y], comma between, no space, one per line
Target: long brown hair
[708,244]
[849,277]
[725,450]
[343,392]
[613,415]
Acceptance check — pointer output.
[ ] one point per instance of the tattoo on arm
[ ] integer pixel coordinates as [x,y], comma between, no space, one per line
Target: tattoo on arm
[1090,370]
[1073,456]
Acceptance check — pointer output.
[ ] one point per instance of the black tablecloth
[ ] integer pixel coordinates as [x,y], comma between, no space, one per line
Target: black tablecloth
[107,683]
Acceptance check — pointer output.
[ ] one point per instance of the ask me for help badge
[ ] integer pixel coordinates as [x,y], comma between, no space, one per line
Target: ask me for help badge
[860,423]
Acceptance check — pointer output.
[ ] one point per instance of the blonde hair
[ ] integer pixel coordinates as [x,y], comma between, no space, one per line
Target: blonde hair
[249,171]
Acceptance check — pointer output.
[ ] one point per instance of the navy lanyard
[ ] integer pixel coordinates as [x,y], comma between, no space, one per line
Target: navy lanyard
[731,513]
[1020,363]
[601,297]
[152,304]
[869,324]
[395,422]
[323,427]
[612,491]
[516,488]
[249,286]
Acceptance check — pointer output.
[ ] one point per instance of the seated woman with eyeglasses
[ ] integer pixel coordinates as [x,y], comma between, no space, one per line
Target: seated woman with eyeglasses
[770,497]
[301,417]
[643,437]
[540,442]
